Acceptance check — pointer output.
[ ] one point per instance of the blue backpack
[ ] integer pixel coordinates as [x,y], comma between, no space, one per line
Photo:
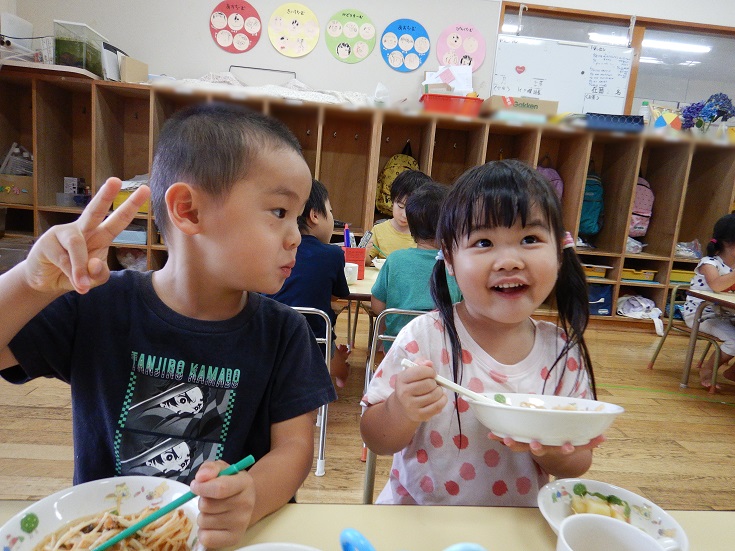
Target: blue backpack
[593,207]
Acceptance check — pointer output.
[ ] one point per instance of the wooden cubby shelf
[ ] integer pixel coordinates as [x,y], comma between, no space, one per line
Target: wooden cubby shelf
[94,129]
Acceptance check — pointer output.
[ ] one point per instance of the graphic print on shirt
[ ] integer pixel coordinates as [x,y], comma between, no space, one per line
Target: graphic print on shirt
[175,416]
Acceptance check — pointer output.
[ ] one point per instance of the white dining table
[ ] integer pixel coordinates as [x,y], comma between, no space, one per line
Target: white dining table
[424,528]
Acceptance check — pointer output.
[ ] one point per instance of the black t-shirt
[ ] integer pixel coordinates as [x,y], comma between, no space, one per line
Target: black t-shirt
[158,393]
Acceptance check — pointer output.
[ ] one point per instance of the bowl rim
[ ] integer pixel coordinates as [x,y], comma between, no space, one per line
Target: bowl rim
[543,500]
[610,408]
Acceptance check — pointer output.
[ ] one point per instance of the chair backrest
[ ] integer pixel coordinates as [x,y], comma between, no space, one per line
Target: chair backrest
[369,481]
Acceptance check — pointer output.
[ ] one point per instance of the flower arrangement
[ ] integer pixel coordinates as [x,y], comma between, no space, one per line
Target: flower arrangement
[703,113]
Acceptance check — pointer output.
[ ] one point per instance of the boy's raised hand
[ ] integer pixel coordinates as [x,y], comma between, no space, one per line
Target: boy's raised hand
[417,392]
[74,256]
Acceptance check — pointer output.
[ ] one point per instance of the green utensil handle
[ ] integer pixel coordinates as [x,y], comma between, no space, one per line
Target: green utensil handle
[176,503]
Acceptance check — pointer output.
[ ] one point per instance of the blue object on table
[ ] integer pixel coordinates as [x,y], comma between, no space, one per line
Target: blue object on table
[347,235]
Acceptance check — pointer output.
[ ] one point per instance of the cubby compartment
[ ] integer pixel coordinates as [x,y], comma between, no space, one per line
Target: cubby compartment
[122,132]
[349,165]
[657,294]
[305,122]
[18,221]
[458,145]
[615,158]
[664,165]
[166,102]
[512,141]
[16,114]
[63,128]
[157,259]
[50,218]
[600,268]
[709,191]
[644,272]
[400,130]
[681,272]
[567,151]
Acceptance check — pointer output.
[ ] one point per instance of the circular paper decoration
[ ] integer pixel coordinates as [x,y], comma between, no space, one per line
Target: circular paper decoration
[405,45]
[461,44]
[235,26]
[350,36]
[293,30]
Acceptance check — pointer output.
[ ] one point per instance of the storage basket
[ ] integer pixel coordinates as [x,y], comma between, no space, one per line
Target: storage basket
[681,276]
[16,190]
[455,105]
[595,270]
[638,275]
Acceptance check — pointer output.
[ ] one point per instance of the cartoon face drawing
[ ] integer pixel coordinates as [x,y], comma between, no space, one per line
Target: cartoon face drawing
[277,23]
[334,28]
[252,25]
[390,41]
[465,60]
[412,61]
[367,31]
[454,41]
[218,20]
[299,46]
[395,59]
[174,459]
[450,58]
[224,38]
[283,44]
[343,50]
[311,29]
[471,44]
[422,45]
[241,42]
[361,49]
[351,29]
[236,21]
[189,401]
[405,42]
[294,26]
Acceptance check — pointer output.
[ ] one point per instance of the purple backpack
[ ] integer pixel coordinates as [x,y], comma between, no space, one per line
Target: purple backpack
[642,209]
[552,176]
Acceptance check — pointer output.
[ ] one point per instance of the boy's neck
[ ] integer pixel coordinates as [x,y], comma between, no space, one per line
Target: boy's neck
[426,244]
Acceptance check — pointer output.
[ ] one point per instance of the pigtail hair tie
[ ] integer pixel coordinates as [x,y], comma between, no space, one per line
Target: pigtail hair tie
[567,241]
[439,255]
[713,240]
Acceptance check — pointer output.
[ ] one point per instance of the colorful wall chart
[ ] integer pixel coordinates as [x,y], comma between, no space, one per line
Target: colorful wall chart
[405,45]
[293,30]
[235,26]
[461,44]
[350,36]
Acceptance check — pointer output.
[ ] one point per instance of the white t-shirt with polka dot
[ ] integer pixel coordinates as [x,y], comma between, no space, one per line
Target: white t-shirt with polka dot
[442,466]
[699,283]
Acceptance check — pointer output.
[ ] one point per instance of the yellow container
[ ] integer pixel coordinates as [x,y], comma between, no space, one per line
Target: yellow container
[681,276]
[595,270]
[640,275]
[123,195]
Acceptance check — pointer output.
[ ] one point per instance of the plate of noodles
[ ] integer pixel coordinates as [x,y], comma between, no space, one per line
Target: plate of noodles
[86,515]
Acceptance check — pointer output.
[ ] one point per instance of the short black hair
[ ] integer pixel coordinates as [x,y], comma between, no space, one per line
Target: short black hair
[317,202]
[422,210]
[211,146]
[406,183]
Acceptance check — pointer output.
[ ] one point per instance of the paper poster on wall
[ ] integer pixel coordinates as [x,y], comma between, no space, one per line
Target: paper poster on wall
[405,45]
[350,36]
[293,30]
[235,26]
[461,44]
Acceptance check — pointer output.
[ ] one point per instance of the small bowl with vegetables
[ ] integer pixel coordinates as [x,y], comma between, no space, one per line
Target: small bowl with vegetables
[568,496]
[550,420]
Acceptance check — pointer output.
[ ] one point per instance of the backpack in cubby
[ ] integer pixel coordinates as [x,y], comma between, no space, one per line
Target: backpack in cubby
[593,208]
[553,177]
[395,165]
[642,209]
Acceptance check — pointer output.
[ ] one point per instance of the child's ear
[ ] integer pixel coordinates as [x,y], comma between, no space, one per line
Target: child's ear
[182,209]
[313,217]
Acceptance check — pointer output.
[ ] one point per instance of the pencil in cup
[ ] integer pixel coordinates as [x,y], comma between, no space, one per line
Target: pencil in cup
[176,503]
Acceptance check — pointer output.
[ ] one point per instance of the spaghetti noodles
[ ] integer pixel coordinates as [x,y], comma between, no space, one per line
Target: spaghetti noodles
[169,533]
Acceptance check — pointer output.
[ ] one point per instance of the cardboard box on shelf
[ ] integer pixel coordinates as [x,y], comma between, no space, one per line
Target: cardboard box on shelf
[132,70]
[530,105]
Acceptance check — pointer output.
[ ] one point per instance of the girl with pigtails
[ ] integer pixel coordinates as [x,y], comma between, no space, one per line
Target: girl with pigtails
[502,238]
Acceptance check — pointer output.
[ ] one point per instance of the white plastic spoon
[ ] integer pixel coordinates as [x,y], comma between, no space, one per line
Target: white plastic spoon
[446,383]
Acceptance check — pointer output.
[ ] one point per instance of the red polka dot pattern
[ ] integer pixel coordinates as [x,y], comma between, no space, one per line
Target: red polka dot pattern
[523,485]
[467,471]
[436,439]
[461,441]
[426,484]
[500,488]
[412,347]
[452,488]
[422,456]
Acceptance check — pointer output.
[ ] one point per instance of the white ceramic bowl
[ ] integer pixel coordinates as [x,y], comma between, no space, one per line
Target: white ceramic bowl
[590,532]
[52,512]
[554,502]
[545,422]
[378,262]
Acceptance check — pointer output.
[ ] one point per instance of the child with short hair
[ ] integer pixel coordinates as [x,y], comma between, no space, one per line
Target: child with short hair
[319,273]
[393,234]
[403,281]
[180,371]
[715,273]
[501,236]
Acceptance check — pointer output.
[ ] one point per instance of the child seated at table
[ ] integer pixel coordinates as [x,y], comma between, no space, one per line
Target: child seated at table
[403,281]
[180,371]
[393,234]
[319,273]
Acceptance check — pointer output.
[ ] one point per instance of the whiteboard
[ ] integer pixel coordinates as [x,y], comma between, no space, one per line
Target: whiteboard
[583,78]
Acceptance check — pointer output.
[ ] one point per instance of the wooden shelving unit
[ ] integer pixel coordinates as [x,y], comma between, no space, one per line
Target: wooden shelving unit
[93,129]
